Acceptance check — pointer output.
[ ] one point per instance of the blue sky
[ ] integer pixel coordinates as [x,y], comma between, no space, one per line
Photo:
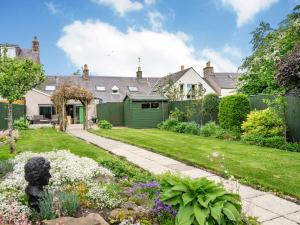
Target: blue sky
[109,35]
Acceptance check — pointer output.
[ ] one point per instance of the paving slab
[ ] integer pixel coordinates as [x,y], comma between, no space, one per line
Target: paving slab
[270,209]
[279,221]
[275,204]
[294,217]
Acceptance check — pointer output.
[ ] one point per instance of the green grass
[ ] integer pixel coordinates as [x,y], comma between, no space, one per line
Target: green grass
[47,139]
[268,168]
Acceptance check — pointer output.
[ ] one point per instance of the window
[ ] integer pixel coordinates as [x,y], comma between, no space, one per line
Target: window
[181,88]
[154,105]
[115,90]
[50,88]
[145,105]
[133,89]
[100,88]
[47,111]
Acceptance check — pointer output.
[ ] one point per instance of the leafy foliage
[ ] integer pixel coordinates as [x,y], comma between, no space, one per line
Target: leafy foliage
[21,124]
[69,203]
[269,45]
[273,142]
[209,129]
[104,124]
[177,115]
[5,167]
[169,124]
[288,69]
[200,201]
[210,105]
[266,123]
[233,111]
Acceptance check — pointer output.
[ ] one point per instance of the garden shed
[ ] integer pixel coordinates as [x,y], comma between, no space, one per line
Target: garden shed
[145,111]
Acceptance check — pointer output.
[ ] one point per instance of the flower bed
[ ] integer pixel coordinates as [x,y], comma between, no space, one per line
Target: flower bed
[121,193]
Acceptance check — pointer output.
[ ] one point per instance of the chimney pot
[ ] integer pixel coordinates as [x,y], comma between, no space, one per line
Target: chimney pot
[182,67]
[35,45]
[85,72]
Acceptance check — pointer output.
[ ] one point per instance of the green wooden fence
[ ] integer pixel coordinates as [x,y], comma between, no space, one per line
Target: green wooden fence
[18,111]
[292,113]
[197,114]
[112,112]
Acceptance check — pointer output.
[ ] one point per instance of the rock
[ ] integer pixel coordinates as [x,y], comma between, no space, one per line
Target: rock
[91,219]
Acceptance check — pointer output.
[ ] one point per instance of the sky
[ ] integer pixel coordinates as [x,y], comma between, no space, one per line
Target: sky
[110,35]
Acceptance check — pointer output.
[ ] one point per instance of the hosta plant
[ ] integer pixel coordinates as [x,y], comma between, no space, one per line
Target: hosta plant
[200,201]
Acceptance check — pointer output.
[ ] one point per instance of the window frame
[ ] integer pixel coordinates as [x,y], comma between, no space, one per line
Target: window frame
[51,89]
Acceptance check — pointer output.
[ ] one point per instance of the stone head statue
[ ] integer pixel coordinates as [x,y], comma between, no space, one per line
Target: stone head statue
[37,175]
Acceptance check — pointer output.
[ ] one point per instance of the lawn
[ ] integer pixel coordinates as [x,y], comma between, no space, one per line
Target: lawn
[47,139]
[268,168]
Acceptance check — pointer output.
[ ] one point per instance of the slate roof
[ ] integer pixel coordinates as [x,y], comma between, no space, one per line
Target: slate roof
[173,77]
[226,80]
[144,85]
[24,52]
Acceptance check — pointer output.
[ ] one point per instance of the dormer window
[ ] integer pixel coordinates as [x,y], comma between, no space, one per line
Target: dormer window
[100,88]
[11,51]
[50,88]
[133,89]
[115,90]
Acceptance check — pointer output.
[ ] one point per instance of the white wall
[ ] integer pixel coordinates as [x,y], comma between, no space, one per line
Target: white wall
[192,77]
[226,92]
[33,99]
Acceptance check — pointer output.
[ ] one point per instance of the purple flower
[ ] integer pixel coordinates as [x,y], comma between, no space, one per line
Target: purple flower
[162,208]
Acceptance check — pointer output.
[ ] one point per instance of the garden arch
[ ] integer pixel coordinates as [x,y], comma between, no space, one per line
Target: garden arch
[66,92]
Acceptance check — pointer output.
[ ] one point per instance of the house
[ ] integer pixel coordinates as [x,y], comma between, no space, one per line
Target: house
[14,50]
[223,83]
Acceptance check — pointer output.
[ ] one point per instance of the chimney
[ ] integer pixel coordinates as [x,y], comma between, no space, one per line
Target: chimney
[36,49]
[182,67]
[35,45]
[208,70]
[85,72]
[139,73]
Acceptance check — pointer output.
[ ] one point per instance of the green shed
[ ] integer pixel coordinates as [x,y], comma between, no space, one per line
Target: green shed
[145,111]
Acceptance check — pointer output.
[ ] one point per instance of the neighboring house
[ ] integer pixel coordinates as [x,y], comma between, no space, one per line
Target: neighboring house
[223,83]
[186,81]
[13,50]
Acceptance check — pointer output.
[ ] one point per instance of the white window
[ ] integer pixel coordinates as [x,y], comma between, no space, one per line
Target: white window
[100,88]
[115,90]
[50,88]
[133,89]
[11,51]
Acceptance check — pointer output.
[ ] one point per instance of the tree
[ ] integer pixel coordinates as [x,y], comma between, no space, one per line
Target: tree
[210,105]
[17,77]
[169,89]
[288,69]
[269,46]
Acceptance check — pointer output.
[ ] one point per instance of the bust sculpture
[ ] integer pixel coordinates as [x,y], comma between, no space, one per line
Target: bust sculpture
[37,175]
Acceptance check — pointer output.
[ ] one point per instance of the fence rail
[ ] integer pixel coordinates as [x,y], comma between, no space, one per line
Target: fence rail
[18,111]
[112,112]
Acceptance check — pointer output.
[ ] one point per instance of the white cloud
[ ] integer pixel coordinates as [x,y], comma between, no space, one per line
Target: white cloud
[121,6]
[53,8]
[233,51]
[156,20]
[247,9]
[109,51]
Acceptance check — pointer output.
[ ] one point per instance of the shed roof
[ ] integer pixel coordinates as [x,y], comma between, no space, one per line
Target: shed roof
[150,97]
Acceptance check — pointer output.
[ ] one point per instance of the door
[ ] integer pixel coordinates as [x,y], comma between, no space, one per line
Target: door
[81,114]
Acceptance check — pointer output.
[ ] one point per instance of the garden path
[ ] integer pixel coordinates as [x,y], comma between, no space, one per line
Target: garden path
[268,208]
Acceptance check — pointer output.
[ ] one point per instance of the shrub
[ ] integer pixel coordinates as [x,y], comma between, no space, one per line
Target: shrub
[123,170]
[104,124]
[209,129]
[200,201]
[180,128]
[266,123]
[5,167]
[293,147]
[169,124]
[233,111]
[69,203]
[177,115]
[192,128]
[47,207]
[229,135]
[210,105]
[273,142]
[21,124]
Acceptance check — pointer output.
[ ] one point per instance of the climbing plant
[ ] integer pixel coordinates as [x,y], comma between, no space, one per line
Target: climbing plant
[65,93]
